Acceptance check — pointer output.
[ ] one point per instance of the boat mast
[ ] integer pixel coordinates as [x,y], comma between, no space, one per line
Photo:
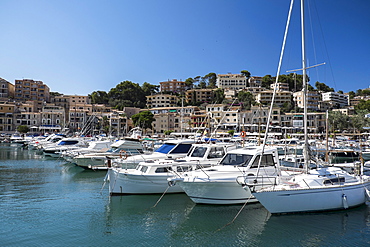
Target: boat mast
[305,122]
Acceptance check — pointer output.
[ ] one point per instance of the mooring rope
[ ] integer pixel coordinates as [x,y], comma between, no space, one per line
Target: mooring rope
[161,197]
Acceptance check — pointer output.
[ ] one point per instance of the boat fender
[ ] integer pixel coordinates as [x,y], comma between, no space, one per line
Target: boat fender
[345,203]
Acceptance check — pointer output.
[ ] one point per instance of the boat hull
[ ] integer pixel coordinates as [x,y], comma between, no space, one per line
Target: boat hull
[312,200]
[121,183]
[218,192]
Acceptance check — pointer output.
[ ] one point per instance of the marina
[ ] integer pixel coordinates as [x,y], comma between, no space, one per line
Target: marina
[48,202]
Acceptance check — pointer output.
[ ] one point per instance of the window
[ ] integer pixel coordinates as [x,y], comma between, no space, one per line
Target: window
[267,160]
[199,152]
[236,159]
[216,152]
[163,169]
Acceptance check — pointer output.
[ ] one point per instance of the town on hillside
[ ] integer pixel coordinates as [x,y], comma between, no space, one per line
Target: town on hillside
[233,103]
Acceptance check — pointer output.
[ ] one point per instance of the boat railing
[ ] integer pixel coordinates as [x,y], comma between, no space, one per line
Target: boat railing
[252,181]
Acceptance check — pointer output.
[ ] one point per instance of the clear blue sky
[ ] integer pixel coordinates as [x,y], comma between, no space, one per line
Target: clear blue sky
[81,46]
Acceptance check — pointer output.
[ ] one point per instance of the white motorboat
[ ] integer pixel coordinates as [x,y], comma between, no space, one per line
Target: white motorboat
[42,142]
[119,149]
[218,184]
[64,145]
[93,147]
[170,149]
[150,177]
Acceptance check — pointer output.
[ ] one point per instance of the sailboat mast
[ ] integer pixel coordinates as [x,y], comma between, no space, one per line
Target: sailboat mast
[305,122]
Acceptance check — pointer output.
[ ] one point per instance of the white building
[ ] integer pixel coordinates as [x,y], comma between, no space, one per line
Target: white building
[337,100]
[231,81]
[313,99]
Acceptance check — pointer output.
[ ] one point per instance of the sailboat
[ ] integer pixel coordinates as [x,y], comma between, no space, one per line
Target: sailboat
[319,189]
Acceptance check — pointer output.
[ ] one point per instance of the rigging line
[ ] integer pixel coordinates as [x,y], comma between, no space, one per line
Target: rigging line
[276,82]
[325,46]
[313,41]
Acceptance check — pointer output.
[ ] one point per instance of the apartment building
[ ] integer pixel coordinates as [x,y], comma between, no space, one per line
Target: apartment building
[177,119]
[27,89]
[255,81]
[6,90]
[313,99]
[280,86]
[173,86]
[200,95]
[161,100]
[7,110]
[337,100]
[281,97]
[231,81]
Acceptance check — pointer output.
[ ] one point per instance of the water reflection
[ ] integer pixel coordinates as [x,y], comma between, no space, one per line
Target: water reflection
[319,229]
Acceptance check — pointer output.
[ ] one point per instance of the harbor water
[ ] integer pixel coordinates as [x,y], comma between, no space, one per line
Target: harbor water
[48,202]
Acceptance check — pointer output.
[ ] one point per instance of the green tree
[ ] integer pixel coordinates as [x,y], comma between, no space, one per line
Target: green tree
[189,83]
[125,94]
[363,105]
[196,81]
[351,94]
[246,98]
[99,97]
[211,79]
[323,87]
[338,121]
[149,89]
[55,94]
[143,119]
[219,96]
[267,80]
[358,121]
[231,132]
[247,74]
[23,129]
[167,132]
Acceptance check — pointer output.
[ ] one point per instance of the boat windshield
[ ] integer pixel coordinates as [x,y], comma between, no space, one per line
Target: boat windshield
[198,152]
[236,159]
[68,142]
[165,148]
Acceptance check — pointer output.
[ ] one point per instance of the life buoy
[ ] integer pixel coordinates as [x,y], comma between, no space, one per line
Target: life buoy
[243,134]
[123,156]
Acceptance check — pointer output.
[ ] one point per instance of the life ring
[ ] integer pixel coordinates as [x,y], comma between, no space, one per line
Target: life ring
[243,134]
[123,156]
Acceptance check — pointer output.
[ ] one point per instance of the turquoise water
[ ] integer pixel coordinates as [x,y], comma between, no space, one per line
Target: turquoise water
[46,202]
